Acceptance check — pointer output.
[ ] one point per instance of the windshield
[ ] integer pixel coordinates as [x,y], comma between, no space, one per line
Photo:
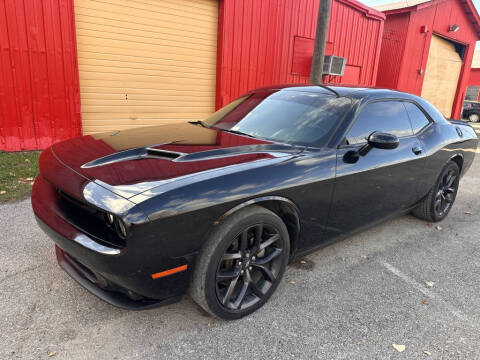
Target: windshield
[285,116]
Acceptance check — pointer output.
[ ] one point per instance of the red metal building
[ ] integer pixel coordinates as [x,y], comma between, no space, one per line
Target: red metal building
[263,43]
[474,79]
[56,58]
[39,91]
[473,88]
[427,50]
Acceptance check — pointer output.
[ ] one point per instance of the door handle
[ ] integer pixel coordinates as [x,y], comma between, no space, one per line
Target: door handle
[417,150]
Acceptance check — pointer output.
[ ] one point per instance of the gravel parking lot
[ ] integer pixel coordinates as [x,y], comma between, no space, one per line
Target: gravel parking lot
[404,282]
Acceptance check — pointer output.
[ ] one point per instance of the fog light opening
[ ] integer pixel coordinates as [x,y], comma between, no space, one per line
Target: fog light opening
[109,219]
[121,229]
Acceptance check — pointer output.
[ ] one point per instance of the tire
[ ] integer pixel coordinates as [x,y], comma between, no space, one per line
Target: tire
[233,262]
[430,209]
[474,117]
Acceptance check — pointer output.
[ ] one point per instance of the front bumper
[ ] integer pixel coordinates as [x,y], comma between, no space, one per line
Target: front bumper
[123,278]
[105,290]
[97,284]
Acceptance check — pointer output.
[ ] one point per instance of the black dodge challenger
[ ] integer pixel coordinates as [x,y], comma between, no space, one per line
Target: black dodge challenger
[219,207]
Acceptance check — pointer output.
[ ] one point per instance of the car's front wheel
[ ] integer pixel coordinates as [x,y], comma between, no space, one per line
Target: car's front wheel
[241,264]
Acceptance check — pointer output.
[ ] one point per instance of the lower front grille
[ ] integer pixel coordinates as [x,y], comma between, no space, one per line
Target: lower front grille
[99,280]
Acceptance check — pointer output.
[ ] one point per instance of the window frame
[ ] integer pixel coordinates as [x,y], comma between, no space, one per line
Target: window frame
[344,144]
[428,117]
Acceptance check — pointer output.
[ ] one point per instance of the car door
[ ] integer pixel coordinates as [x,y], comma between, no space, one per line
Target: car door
[372,187]
[420,126]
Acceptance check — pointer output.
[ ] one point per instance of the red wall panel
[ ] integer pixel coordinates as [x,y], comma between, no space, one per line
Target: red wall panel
[302,55]
[393,44]
[257,48]
[351,75]
[435,17]
[39,90]
[357,36]
[474,79]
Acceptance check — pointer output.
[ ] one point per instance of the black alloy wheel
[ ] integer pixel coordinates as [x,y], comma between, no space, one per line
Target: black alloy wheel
[241,263]
[249,267]
[446,191]
[439,201]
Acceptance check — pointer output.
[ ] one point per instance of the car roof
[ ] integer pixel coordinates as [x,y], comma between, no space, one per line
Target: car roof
[360,93]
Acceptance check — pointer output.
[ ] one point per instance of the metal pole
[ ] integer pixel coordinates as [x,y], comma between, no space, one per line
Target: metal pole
[320,41]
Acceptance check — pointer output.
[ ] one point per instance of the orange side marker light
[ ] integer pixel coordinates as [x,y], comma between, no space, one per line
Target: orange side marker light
[169,272]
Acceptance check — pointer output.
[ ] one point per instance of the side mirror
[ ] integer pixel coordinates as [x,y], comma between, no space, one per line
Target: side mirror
[379,140]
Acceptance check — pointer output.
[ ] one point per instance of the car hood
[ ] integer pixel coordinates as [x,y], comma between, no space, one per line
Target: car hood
[132,161]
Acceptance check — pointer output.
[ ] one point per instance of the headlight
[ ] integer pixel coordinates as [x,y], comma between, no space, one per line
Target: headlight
[109,219]
[121,230]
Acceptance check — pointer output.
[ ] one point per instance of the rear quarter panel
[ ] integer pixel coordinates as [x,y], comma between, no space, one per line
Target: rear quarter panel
[443,143]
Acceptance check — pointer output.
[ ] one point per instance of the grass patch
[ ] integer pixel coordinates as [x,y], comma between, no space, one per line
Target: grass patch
[17,172]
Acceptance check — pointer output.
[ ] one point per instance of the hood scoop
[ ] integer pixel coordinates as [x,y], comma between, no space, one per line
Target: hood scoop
[134,154]
[152,152]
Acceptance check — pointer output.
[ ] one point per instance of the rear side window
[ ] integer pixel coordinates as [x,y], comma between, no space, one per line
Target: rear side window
[417,117]
[384,116]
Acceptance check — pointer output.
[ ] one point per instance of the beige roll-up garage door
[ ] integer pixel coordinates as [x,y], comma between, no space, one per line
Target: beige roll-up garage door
[145,62]
[441,74]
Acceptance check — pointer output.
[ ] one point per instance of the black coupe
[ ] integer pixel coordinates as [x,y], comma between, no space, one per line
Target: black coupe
[219,207]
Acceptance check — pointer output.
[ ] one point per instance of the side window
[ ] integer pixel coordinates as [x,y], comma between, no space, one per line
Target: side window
[417,117]
[385,116]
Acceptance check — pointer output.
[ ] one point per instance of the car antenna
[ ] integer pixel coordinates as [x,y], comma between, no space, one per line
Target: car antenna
[329,89]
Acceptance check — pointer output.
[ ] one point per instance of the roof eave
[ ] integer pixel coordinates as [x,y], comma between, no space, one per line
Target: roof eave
[472,14]
[468,6]
[368,11]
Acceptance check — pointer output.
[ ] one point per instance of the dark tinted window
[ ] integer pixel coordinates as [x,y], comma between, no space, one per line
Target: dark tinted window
[285,116]
[385,116]
[417,117]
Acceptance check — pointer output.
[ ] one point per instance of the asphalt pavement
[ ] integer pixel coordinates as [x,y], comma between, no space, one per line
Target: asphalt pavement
[405,282]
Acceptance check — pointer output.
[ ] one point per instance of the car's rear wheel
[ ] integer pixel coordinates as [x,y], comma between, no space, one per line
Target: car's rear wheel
[439,201]
[474,117]
[241,264]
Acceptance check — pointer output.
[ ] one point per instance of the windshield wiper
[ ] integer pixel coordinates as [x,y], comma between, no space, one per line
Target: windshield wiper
[199,122]
[237,132]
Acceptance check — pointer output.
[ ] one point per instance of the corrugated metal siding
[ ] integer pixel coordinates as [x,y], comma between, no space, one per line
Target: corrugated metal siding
[437,16]
[257,42]
[39,97]
[474,79]
[356,37]
[393,44]
[145,62]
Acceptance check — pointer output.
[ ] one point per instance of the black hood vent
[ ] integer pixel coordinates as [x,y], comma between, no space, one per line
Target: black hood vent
[134,154]
[164,154]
